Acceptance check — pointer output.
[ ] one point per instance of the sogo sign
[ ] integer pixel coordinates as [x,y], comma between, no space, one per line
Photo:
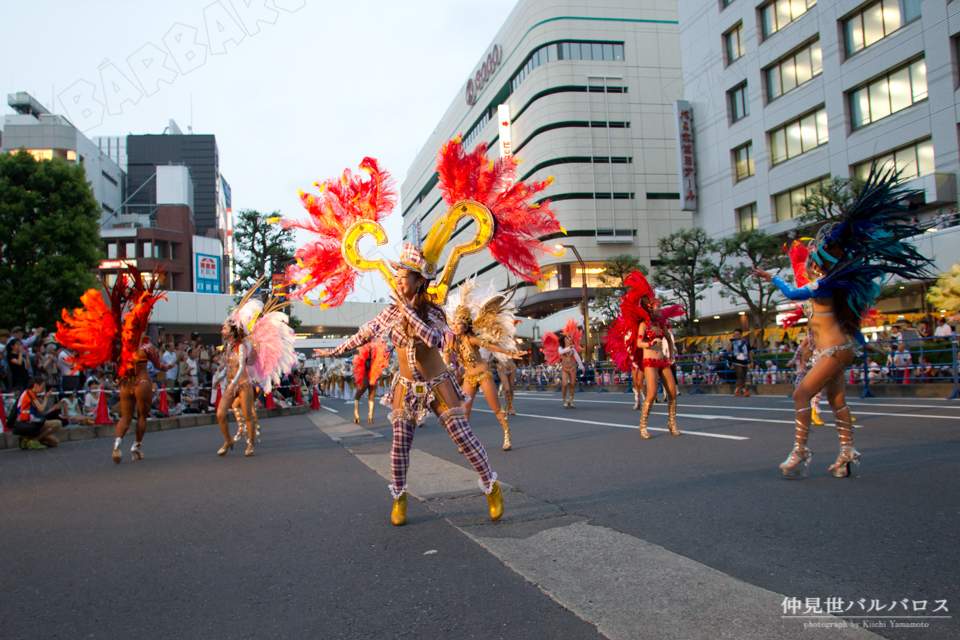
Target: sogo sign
[482,76]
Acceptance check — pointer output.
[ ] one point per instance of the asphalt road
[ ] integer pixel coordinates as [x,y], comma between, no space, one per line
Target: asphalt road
[296,541]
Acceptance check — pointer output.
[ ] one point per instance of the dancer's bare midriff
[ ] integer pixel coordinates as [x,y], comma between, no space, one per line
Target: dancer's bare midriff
[429,362]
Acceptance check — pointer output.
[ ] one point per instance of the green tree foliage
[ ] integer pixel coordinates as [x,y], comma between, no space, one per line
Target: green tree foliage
[262,248]
[49,238]
[684,269]
[828,200]
[606,301]
[736,256]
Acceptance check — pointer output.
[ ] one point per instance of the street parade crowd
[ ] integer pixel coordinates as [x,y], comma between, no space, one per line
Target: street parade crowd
[437,346]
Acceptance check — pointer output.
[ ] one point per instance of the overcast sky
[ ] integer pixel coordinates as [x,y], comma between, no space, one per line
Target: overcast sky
[298,101]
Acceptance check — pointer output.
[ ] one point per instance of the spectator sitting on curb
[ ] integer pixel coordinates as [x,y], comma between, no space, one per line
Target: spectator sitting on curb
[34,424]
[71,412]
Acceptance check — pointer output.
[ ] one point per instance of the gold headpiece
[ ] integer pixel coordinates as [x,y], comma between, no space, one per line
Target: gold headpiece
[462,314]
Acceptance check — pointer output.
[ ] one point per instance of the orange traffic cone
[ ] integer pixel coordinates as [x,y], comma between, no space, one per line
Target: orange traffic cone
[315,400]
[297,396]
[103,415]
[270,404]
[3,416]
[216,405]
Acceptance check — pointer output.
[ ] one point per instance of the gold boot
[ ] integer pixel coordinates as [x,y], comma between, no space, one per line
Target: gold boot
[399,514]
[356,412]
[370,413]
[505,423]
[672,424]
[644,414]
[495,501]
[509,400]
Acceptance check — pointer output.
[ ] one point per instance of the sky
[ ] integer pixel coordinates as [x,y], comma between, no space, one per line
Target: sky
[294,102]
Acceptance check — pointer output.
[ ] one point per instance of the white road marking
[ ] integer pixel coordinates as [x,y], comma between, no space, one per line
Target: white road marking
[625,586]
[636,426]
[329,409]
[825,409]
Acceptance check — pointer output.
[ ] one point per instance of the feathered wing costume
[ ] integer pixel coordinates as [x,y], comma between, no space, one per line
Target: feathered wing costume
[378,354]
[489,312]
[93,330]
[98,334]
[271,340]
[552,343]
[621,340]
[142,300]
[870,238]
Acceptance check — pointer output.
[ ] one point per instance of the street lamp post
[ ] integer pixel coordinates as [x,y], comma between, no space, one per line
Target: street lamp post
[586,309]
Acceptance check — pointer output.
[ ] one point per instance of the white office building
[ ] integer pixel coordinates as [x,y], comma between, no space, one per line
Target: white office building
[585,92]
[49,136]
[788,93]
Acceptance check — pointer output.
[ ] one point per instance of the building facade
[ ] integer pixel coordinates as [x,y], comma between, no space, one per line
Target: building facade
[583,92]
[49,136]
[789,93]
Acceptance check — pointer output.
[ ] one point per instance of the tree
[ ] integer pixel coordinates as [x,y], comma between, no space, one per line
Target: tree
[683,268]
[606,300]
[262,248]
[49,238]
[828,200]
[736,256]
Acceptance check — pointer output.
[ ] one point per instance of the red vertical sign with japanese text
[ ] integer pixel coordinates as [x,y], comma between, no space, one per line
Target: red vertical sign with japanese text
[686,160]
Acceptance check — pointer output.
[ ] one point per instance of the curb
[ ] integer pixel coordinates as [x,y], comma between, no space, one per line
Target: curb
[91,432]
[879,390]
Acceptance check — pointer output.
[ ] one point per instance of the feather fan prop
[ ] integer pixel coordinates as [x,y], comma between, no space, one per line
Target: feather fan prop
[551,347]
[520,223]
[341,202]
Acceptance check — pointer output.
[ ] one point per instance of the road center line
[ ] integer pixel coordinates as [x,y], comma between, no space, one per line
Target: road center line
[634,426]
[825,408]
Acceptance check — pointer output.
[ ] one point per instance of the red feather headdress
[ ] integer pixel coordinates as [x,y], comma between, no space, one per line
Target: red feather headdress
[342,201]
[520,223]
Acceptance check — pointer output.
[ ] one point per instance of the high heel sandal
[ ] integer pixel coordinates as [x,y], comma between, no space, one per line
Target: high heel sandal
[644,415]
[848,454]
[226,447]
[672,424]
[117,455]
[505,423]
[249,451]
[800,454]
[135,452]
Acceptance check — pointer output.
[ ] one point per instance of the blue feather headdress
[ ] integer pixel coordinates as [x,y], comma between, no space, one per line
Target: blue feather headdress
[870,240]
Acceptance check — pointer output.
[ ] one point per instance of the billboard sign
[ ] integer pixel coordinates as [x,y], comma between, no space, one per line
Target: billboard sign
[207,273]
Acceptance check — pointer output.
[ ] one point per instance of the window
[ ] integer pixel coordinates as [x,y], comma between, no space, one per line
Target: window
[734,43]
[477,128]
[889,94]
[131,250]
[787,204]
[877,21]
[111,251]
[796,69]
[739,103]
[913,160]
[743,161]
[747,217]
[780,13]
[147,250]
[600,51]
[803,134]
